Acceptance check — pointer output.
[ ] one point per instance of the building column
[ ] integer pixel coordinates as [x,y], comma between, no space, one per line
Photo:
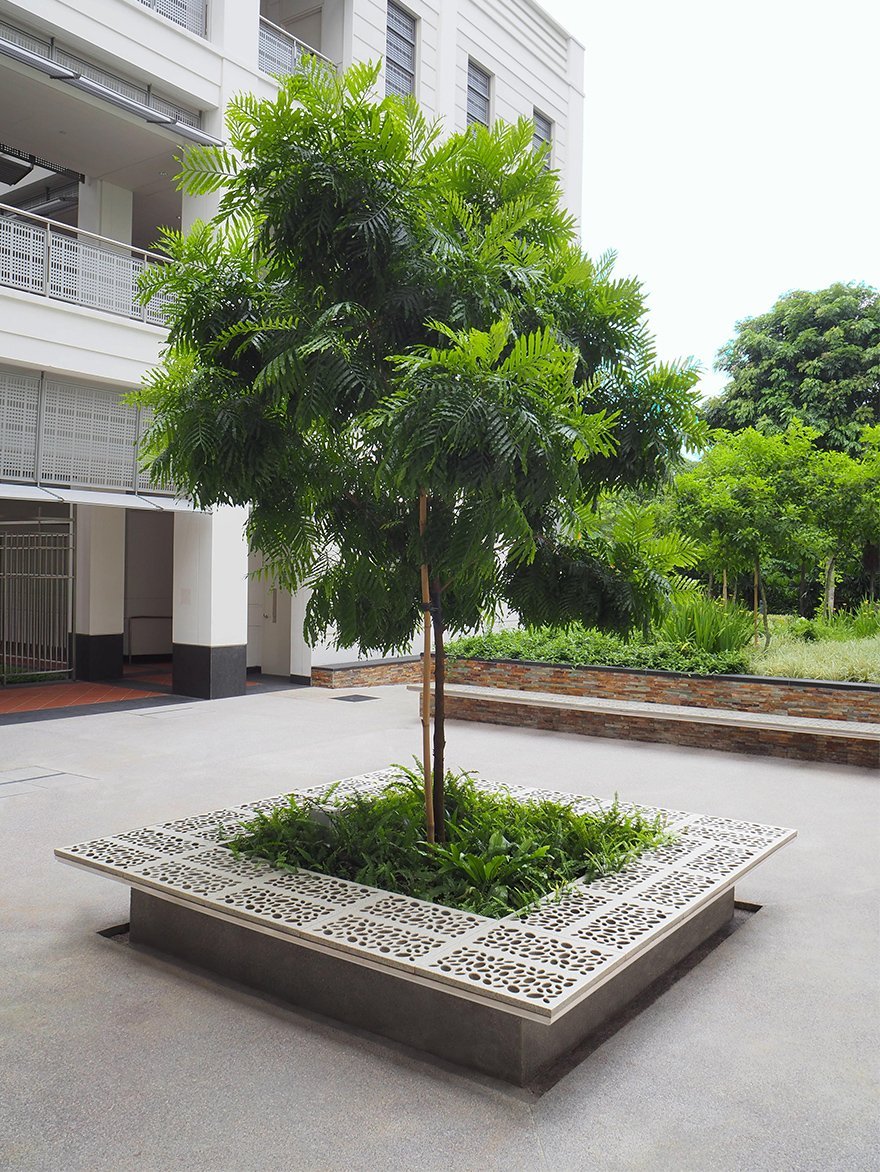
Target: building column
[105,209]
[209,629]
[99,591]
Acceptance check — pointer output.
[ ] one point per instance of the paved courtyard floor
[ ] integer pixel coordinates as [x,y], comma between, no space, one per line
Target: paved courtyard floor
[761,1057]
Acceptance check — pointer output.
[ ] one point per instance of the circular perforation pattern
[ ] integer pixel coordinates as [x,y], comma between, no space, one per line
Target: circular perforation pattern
[272,905]
[211,827]
[623,926]
[530,946]
[504,975]
[335,892]
[447,921]
[156,840]
[677,890]
[619,882]
[672,852]
[374,936]
[559,914]
[739,833]
[221,859]
[721,858]
[185,878]
[112,852]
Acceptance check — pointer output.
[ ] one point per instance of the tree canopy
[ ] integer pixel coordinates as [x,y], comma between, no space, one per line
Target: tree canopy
[813,357]
[390,346]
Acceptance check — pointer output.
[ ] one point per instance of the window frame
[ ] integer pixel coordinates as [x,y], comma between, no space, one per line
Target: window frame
[405,17]
[538,140]
[470,118]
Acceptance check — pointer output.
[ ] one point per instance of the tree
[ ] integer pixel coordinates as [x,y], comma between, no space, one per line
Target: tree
[813,357]
[755,497]
[391,348]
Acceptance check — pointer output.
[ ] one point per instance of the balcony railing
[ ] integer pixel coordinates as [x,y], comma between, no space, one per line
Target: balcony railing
[66,264]
[189,14]
[280,53]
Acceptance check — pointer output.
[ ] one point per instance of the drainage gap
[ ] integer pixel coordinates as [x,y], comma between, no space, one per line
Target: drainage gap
[119,933]
[355,699]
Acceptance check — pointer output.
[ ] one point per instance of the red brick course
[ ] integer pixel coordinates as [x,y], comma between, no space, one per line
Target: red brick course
[859,702]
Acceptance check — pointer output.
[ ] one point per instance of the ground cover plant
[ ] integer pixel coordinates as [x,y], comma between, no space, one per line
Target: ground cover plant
[500,854]
[584,647]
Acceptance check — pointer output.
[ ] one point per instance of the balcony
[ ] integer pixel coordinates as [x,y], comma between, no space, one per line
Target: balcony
[189,14]
[281,53]
[61,263]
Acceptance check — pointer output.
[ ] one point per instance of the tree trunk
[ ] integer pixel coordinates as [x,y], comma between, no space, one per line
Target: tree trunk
[711,584]
[829,587]
[802,591]
[439,713]
[764,610]
[755,597]
[426,681]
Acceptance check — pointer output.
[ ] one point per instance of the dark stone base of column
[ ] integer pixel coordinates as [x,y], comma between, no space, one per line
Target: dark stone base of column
[209,673]
[98,657]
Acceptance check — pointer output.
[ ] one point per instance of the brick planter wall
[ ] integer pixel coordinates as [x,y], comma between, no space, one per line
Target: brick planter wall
[406,670]
[760,742]
[809,698]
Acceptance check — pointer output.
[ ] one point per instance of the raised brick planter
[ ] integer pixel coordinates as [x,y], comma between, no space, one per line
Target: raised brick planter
[761,734]
[808,698]
[404,670]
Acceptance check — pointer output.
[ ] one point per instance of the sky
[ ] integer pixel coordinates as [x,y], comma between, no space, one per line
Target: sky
[732,153]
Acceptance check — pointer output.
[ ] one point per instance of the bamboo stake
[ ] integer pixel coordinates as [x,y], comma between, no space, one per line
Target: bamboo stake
[756,602]
[426,680]
[724,586]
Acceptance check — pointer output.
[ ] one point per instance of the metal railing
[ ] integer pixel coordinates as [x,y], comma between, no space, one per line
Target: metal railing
[281,53]
[36,599]
[67,264]
[189,14]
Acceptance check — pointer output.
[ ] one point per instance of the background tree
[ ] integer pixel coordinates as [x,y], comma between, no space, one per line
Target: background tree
[392,349]
[813,357]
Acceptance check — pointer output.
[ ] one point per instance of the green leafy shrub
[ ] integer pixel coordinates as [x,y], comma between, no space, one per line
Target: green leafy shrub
[583,647]
[500,856]
[705,624]
[843,626]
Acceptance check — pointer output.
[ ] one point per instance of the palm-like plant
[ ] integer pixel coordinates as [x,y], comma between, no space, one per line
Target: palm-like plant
[392,349]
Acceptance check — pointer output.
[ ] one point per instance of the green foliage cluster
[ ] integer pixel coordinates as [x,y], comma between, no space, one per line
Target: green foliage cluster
[754,498]
[842,626]
[813,357]
[706,624]
[583,647]
[501,854]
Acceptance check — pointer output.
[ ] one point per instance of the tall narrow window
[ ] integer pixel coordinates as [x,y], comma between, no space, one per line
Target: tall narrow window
[400,52]
[478,91]
[543,133]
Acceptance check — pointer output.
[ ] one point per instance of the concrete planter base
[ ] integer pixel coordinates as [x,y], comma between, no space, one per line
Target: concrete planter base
[471,1033]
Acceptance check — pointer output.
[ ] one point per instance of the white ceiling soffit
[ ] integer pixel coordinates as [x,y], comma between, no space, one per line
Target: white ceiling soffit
[84,496]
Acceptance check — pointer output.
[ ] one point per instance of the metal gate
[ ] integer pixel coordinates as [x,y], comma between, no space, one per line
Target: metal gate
[36,600]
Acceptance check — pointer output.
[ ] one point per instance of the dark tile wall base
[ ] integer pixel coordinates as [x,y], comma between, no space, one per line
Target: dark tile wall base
[209,673]
[98,657]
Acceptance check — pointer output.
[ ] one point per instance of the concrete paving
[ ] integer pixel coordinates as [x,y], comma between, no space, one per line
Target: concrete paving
[763,1056]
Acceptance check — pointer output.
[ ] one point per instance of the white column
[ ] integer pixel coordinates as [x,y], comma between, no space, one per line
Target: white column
[209,628]
[99,591]
[105,209]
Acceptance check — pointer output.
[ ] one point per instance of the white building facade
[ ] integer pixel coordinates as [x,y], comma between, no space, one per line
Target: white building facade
[97,97]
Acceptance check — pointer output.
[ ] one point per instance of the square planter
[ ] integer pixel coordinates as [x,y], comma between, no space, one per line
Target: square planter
[504,996]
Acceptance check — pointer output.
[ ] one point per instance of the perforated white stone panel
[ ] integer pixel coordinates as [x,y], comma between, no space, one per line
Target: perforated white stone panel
[536,964]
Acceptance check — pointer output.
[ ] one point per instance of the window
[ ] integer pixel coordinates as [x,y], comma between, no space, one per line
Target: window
[400,52]
[543,133]
[478,91]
